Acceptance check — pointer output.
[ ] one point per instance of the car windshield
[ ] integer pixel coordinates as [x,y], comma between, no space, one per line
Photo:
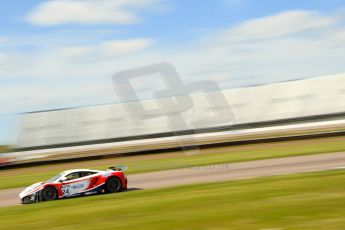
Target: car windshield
[54,178]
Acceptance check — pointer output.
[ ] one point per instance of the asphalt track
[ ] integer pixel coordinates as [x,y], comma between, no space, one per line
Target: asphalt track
[213,173]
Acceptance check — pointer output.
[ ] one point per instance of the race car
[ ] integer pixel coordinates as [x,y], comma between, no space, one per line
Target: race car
[76,182]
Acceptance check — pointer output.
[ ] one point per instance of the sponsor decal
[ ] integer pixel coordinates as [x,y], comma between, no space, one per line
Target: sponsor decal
[90,193]
[77,186]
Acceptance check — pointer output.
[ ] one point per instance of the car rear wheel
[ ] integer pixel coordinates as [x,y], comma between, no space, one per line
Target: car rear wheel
[49,193]
[113,185]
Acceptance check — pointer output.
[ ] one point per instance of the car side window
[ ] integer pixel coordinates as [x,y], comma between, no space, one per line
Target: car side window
[73,176]
[87,173]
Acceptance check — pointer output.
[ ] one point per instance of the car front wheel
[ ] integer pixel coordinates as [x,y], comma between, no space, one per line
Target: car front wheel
[49,193]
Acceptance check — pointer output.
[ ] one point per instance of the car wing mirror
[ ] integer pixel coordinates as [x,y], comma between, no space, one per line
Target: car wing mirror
[62,179]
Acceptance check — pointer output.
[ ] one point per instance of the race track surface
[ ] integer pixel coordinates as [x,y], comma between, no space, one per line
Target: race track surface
[212,173]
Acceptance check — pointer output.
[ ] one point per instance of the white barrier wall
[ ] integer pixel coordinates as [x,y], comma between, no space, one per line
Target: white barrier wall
[323,95]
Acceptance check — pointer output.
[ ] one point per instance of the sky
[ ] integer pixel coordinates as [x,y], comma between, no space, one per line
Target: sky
[63,53]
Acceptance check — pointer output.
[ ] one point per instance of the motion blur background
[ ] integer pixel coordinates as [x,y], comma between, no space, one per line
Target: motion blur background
[61,54]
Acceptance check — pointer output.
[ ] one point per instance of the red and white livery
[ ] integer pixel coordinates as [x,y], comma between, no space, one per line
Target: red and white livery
[76,182]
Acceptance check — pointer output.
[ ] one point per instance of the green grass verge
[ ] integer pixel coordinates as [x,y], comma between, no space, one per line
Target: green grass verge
[4,148]
[194,160]
[301,201]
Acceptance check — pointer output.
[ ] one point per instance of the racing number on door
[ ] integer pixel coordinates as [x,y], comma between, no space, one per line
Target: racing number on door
[74,185]
[65,190]
[73,188]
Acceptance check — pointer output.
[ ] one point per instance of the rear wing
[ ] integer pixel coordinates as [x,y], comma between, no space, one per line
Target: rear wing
[118,168]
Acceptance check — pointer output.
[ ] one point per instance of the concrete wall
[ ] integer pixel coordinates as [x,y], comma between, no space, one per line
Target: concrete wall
[323,95]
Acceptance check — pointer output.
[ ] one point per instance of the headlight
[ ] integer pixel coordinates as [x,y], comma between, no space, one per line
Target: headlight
[29,198]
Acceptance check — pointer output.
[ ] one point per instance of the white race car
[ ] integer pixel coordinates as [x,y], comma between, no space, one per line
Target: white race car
[76,182]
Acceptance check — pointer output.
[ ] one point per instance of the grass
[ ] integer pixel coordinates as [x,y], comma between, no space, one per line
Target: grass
[211,156]
[4,148]
[301,201]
